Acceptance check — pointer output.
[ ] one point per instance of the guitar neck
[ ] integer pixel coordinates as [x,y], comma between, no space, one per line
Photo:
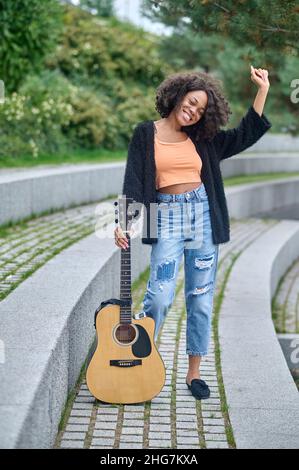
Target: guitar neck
[125,282]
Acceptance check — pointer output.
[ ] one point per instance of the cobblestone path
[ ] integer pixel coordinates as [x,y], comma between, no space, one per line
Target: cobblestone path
[173,419]
[285,308]
[286,302]
[26,246]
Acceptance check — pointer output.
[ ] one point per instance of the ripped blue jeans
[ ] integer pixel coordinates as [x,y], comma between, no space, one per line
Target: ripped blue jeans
[184,226]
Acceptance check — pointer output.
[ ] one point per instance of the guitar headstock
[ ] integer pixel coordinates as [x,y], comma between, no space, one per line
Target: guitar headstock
[126,213]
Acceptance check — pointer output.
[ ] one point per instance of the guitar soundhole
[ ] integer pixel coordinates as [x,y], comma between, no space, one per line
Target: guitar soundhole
[125,334]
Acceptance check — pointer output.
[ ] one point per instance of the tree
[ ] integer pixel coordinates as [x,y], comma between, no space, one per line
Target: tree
[98,7]
[28,31]
[269,25]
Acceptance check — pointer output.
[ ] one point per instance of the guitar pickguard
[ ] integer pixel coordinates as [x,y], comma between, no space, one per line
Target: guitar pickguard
[142,347]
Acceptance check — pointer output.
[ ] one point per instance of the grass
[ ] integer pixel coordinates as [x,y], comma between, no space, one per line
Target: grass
[255,178]
[66,411]
[279,312]
[215,325]
[69,157]
[77,156]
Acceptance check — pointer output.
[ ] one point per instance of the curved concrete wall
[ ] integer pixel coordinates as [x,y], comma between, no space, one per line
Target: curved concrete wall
[256,163]
[27,192]
[253,198]
[46,327]
[271,142]
[262,397]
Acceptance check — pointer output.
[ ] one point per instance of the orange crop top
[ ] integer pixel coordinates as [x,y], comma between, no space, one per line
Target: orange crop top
[176,162]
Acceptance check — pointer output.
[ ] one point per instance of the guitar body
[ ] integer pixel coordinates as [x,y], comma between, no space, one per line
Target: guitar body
[124,369]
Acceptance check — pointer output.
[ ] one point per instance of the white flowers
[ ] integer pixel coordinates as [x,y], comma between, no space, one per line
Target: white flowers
[35,120]
[34,148]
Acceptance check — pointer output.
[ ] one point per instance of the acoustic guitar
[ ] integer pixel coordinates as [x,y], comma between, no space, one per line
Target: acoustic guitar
[126,366]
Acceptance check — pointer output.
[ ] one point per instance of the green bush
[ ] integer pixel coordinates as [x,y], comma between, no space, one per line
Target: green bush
[31,123]
[95,50]
[98,83]
[29,30]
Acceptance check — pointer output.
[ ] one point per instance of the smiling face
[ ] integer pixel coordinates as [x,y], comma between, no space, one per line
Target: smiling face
[191,108]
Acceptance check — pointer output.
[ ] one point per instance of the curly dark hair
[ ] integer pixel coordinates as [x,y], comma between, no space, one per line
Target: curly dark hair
[172,90]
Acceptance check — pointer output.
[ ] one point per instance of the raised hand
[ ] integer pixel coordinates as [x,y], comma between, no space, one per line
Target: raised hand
[260,77]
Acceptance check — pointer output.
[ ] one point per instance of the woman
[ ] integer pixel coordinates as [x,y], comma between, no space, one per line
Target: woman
[174,163]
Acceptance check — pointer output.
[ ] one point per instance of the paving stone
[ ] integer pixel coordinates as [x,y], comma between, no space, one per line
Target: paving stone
[78,436]
[134,408]
[75,412]
[105,425]
[128,445]
[131,438]
[212,401]
[160,444]
[158,401]
[159,435]
[160,406]
[186,446]
[127,430]
[78,420]
[84,400]
[160,419]
[106,418]
[77,427]
[182,393]
[82,406]
[186,425]
[213,422]
[102,442]
[106,411]
[185,432]
[216,445]
[215,436]
[165,394]
[187,440]
[180,418]
[212,414]
[72,444]
[159,412]
[160,428]
[133,423]
[185,400]
[104,433]
[209,407]
[214,429]
[133,415]
[186,404]
[100,447]
[85,393]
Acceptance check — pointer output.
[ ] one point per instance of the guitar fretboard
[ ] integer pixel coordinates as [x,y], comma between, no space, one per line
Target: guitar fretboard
[125,282]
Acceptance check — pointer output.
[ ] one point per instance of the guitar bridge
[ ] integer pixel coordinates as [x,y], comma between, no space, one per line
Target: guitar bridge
[125,362]
[139,315]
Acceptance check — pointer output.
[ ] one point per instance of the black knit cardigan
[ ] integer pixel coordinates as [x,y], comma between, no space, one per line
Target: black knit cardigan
[140,173]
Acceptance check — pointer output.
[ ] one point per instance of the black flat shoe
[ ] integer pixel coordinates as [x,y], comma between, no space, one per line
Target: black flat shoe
[199,389]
